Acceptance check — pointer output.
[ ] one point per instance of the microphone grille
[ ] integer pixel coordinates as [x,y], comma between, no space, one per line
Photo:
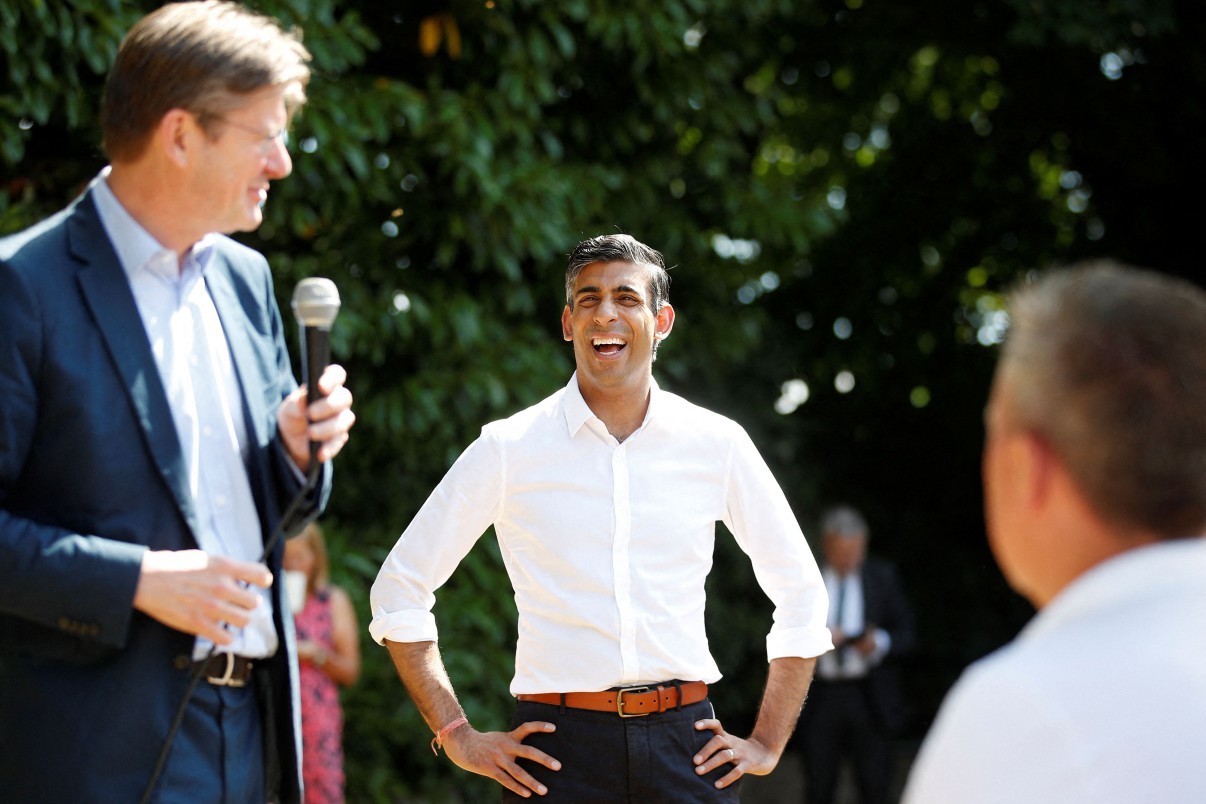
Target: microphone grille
[316,302]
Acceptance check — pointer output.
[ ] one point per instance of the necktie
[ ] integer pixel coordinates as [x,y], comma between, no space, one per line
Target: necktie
[841,602]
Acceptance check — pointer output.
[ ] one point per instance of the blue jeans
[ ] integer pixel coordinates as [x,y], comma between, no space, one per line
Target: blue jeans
[607,758]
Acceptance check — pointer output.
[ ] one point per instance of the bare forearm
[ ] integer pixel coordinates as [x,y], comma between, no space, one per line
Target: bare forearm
[343,670]
[787,683]
[421,669]
[492,754]
[344,660]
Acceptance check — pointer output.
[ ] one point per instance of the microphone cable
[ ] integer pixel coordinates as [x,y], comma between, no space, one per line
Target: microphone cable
[285,528]
[315,304]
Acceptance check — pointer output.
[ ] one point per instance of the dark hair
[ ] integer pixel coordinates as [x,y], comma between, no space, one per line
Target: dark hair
[619,248]
[198,56]
[1108,364]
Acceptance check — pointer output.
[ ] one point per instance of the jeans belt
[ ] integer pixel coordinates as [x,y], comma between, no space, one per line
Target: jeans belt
[627,701]
[226,669]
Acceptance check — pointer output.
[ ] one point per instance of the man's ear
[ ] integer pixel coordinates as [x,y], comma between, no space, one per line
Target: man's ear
[175,135]
[664,322]
[567,331]
[1041,464]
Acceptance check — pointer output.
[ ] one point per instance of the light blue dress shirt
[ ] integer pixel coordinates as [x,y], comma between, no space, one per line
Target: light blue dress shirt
[194,361]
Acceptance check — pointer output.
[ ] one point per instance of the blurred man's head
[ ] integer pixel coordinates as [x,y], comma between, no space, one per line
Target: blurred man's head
[844,539]
[1097,418]
[194,118]
[206,58]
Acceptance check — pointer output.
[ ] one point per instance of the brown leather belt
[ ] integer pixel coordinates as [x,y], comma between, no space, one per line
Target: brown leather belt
[226,669]
[627,701]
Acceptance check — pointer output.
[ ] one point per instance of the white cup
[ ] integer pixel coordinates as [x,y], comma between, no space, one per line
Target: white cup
[295,589]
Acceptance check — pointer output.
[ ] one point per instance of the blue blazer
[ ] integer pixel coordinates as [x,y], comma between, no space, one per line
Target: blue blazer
[91,475]
[886,605]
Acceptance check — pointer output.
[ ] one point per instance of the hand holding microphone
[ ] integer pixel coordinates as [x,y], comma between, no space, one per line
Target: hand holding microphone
[313,423]
[314,420]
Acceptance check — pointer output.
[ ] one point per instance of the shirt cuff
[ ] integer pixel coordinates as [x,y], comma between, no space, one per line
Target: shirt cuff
[883,644]
[804,643]
[404,626]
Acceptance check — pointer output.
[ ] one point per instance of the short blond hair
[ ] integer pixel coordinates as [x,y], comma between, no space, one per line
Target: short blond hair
[197,56]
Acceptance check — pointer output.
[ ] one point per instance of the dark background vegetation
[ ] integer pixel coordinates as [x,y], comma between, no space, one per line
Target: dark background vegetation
[841,187]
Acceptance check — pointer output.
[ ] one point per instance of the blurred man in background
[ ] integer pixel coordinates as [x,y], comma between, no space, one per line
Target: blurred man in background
[856,705]
[1095,496]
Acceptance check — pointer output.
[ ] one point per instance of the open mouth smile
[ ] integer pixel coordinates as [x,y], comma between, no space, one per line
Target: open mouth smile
[607,346]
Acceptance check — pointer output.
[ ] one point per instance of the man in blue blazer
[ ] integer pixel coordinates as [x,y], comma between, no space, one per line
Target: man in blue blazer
[152,437]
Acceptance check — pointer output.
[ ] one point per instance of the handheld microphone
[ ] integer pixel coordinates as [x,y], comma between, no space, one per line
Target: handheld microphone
[315,305]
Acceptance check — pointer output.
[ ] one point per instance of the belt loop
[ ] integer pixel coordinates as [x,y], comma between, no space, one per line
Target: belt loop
[563,703]
[678,685]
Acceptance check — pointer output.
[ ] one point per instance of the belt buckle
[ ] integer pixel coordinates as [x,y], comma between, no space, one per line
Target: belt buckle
[620,701]
[227,679]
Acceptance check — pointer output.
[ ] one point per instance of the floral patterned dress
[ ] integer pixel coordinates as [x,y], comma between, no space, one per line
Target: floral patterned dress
[322,718]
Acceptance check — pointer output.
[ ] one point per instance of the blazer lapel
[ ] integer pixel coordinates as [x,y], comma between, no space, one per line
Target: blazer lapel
[259,419]
[230,312]
[106,291]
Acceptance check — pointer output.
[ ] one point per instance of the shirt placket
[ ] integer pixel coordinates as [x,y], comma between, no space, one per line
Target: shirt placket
[621,563]
[215,491]
[216,456]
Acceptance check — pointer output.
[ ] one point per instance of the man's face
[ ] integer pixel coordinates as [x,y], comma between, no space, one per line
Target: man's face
[843,552]
[299,556]
[233,170]
[612,326]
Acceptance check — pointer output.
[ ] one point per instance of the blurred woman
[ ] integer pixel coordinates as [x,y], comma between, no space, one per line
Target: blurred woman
[328,649]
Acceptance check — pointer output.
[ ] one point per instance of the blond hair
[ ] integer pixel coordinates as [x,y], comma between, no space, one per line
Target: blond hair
[197,56]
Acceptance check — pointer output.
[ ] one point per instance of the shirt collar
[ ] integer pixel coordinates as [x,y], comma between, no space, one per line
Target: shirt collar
[136,248]
[578,413]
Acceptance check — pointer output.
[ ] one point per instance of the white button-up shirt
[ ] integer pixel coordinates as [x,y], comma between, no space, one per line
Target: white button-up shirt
[198,374]
[1100,700]
[607,544]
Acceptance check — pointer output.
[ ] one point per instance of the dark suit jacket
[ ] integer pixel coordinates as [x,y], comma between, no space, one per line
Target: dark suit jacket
[92,475]
[886,606]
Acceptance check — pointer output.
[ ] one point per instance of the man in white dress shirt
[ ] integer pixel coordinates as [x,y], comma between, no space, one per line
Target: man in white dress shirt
[1095,494]
[604,498]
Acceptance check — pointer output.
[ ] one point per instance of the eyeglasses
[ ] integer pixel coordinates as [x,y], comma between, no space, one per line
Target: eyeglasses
[266,140]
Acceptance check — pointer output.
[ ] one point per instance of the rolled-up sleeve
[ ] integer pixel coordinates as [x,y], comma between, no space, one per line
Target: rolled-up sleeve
[453,518]
[762,522]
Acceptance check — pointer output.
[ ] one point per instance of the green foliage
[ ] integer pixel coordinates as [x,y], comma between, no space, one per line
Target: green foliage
[842,187]
[52,51]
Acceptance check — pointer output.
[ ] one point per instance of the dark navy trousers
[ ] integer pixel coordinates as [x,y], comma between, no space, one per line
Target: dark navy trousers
[218,754]
[606,758]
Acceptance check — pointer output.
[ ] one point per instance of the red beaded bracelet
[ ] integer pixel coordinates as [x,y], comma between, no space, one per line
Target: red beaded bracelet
[437,742]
